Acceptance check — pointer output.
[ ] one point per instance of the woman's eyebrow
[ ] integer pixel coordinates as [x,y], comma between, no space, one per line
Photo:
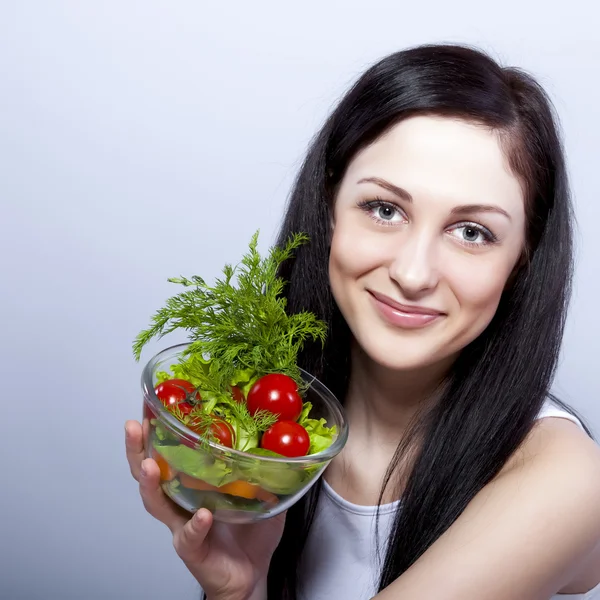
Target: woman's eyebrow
[474,208]
[390,187]
[459,210]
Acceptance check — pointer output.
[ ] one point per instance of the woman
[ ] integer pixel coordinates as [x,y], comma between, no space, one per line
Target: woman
[437,203]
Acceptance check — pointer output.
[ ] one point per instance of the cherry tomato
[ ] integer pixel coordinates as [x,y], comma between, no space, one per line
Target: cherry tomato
[278,394]
[185,408]
[237,394]
[287,438]
[220,428]
[223,431]
[177,392]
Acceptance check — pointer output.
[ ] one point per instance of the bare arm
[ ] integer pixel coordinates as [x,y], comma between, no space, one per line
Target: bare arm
[525,535]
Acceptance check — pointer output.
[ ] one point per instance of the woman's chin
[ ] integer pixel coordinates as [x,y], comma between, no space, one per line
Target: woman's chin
[406,360]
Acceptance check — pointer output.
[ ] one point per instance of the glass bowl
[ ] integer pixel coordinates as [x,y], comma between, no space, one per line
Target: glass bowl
[237,487]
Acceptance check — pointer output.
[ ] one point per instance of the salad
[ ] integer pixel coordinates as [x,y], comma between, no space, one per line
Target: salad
[237,383]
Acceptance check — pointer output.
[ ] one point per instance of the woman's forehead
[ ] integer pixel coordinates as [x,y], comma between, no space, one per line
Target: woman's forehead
[443,158]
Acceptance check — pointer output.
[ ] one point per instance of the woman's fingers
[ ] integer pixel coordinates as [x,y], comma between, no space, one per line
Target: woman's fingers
[189,535]
[154,499]
[147,473]
[190,541]
[134,447]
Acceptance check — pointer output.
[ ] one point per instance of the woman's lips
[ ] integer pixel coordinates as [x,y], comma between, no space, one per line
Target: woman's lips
[404,316]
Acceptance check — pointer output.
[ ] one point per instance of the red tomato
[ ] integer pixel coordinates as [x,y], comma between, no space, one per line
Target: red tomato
[278,394]
[237,394]
[287,438]
[177,392]
[220,428]
[185,408]
[223,431]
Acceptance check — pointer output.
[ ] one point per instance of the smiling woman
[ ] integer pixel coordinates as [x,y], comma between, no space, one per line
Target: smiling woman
[437,204]
[413,238]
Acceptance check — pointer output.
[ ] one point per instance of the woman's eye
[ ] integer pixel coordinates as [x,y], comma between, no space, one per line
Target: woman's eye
[387,213]
[473,235]
[383,211]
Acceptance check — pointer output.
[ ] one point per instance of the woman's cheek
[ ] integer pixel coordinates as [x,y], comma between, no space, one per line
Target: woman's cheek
[356,251]
[351,257]
[477,286]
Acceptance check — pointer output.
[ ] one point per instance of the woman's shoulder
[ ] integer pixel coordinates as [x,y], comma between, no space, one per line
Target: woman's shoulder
[534,528]
[557,438]
[554,408]
[560,445]
[562,462]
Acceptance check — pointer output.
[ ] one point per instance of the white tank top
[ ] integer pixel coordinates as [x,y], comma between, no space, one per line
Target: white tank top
[340,559]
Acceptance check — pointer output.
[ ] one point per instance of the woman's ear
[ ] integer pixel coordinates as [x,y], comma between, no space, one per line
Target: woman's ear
[331,228]
[331,211]
[333,188]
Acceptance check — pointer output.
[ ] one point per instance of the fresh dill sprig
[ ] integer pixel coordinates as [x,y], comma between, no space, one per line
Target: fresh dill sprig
[253,424]
[200,422]
[236,327]
[184,417]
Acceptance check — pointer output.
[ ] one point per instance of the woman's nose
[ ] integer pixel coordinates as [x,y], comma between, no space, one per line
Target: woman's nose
[414,266]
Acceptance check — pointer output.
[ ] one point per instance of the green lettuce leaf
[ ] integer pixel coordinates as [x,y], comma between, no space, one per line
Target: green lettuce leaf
[209,400]
[264,452]
[275,478]
[279,480]
[246,441]
[306,408]
[244,379]
[196,464]
[162,376]
[162,434]
[159,430]
[192,369]
[321,436]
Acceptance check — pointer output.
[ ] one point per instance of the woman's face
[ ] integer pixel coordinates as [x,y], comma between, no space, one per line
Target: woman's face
[428,225]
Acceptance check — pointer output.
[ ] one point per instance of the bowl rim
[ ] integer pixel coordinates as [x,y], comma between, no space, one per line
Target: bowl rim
[173,423]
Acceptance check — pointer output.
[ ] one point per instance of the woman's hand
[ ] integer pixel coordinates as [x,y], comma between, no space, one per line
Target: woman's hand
[230,562]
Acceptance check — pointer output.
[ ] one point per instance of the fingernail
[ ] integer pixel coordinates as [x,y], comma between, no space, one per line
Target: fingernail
[126,431]
[143,471]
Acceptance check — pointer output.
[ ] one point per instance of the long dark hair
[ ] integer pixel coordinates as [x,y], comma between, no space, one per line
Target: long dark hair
[500,381]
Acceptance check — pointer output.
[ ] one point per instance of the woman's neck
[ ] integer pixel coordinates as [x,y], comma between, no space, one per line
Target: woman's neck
[382,403]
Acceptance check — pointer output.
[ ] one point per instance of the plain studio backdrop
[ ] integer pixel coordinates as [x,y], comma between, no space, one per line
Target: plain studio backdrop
[147,140]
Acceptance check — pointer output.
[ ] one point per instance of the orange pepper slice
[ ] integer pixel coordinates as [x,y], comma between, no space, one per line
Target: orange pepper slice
[239,488]
[166,472]
[249,491]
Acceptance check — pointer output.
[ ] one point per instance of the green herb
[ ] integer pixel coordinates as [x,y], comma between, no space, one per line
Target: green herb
[239,331]
[247,428]
[237,328]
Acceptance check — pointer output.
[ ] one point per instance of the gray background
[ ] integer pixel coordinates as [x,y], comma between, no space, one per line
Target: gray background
[144,140]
